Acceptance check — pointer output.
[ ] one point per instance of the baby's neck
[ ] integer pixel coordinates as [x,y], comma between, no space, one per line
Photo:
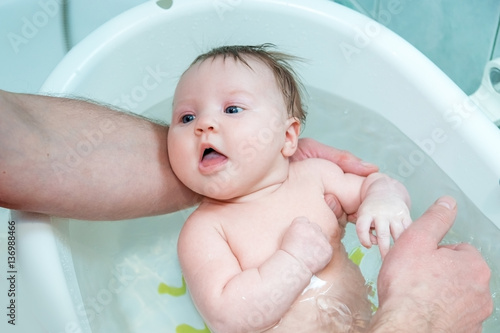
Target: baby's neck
[259,194]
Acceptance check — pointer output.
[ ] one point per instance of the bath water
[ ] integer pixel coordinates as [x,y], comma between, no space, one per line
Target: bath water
[127,271]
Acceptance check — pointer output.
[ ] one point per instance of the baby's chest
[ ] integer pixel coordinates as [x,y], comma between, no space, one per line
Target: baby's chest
[256,230]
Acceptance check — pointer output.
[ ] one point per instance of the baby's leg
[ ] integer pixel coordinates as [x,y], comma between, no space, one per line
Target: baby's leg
[336,316]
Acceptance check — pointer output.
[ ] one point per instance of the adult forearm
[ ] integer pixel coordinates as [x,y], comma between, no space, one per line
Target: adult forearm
[73,158]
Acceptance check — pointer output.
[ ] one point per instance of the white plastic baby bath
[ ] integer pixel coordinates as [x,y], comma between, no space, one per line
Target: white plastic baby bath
[369,92]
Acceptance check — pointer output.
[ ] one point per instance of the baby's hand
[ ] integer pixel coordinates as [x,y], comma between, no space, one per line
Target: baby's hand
[387,216]
[308,244]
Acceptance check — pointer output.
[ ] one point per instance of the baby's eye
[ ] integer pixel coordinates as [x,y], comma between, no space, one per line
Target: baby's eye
[233,109]
[187,118]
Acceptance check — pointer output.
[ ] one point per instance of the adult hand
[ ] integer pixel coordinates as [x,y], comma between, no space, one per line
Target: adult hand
[425,287]
[345,160]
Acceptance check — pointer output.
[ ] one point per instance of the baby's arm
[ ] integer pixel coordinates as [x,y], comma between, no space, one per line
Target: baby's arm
[376,202]
[234,300]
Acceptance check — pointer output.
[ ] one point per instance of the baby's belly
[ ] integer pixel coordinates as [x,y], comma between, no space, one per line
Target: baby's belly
[335,301]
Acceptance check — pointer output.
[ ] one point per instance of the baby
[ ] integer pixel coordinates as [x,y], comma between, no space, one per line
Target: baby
[236,120]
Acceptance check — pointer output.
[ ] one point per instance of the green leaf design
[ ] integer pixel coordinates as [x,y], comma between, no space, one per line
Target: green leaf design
[172,291]
[184,328]
[356,255]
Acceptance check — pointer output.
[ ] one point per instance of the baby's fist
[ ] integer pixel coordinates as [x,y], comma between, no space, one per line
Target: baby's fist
[308,244]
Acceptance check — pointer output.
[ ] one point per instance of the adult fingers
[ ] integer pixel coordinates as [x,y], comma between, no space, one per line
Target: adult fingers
[350,163]
[433,225]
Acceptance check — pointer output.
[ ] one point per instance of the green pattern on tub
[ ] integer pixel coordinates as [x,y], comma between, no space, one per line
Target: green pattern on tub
[188,329]
[356,255]
[172,291]
[163,288]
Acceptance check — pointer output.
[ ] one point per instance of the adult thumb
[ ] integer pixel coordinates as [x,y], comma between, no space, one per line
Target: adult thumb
[436,221]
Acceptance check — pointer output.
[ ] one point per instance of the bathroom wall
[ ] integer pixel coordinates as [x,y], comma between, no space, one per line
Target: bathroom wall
[459,36]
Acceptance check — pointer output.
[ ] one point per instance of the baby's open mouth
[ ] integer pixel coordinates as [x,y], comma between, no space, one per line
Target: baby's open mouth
[211,157]
[209,153]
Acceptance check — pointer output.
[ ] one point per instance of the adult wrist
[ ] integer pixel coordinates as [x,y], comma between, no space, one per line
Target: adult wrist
[406,316]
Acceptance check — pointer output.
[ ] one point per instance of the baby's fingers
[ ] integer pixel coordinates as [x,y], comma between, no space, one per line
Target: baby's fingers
[363,229]
[383,237]
[397,228]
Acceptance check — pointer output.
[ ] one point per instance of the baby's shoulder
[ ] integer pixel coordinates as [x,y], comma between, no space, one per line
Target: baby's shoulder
[202,219]
[313,166]
[205,212]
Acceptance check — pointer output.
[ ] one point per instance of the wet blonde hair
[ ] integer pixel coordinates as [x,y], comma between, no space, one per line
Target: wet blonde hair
[278,62]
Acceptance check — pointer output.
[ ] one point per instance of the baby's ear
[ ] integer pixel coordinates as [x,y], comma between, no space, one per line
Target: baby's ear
[291,137]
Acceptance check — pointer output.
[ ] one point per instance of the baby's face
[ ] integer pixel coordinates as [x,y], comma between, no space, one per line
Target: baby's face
[228,128]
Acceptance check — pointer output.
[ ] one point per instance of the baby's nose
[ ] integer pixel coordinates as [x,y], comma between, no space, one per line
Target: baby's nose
[206,123]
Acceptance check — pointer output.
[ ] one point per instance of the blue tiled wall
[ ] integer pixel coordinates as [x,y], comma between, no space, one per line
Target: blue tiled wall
[459,36]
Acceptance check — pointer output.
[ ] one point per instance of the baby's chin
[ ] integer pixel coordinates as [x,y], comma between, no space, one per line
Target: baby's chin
[220,195]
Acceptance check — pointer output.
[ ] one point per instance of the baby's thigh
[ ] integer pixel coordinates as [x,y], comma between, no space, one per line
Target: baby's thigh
[346,303]
[339,306]
[323,314]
